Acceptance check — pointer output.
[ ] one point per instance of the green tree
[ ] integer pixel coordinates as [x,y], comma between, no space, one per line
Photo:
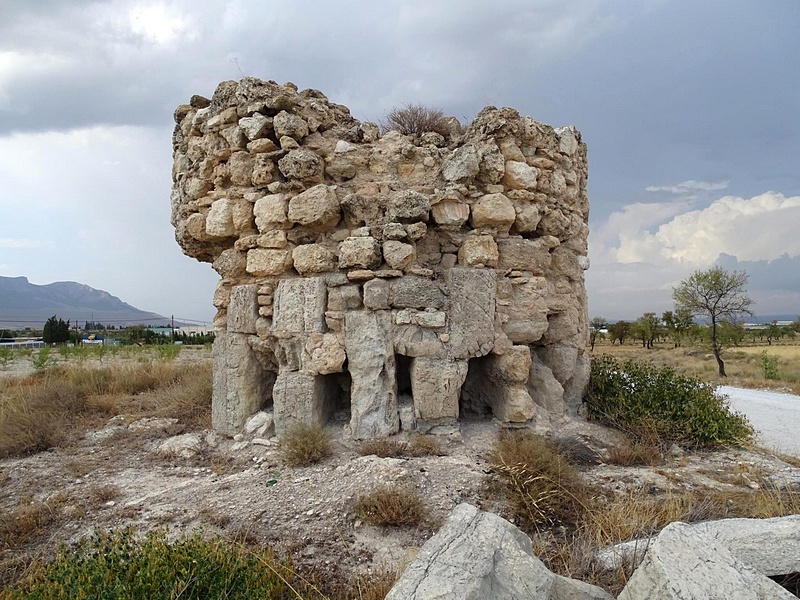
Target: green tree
[647,328]
[717,295]
[619,331]
[774,332]
[56,331]
[677,324]
[596,325]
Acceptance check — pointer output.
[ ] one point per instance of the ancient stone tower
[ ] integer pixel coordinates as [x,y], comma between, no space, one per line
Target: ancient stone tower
[407,279]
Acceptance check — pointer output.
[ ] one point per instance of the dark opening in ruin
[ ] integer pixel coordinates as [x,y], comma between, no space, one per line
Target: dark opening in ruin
[476,393]
[403,374]
[337,392]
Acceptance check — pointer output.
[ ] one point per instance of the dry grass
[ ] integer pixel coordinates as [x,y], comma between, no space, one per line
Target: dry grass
[30,519]
[390,447]
[414,119]
[305,445]
[391,505]
[46,409]
[217,519]
[101,494]
[541,485]
[635,453]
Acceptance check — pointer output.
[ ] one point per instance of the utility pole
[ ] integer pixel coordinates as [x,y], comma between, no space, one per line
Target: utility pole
[172,329]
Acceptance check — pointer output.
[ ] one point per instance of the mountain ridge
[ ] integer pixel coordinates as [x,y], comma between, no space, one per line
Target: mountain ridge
[25,304]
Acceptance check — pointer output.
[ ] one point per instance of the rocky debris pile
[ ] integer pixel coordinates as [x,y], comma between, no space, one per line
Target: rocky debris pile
[403,279]
[480,555]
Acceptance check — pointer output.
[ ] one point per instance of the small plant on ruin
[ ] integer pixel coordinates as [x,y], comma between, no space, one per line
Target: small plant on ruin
[391,505]
[414,119]
[541,485]
[304,445]
[652,403]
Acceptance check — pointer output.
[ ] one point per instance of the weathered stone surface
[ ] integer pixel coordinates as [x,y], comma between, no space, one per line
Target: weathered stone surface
[681,563]
[300,305]
[493,211]
[241,386]
[359,253]
[436,386]
[187,445]
[243,309]
[370,359]
[301,397]
[317,207]
[263,262]
[398,255]
[477,556]
[310,259]
[471,242]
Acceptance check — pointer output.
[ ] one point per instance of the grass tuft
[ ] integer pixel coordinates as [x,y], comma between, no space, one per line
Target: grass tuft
[304,445]
[391,505]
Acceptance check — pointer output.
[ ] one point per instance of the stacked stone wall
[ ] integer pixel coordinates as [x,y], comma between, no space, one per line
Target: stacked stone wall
[348,259]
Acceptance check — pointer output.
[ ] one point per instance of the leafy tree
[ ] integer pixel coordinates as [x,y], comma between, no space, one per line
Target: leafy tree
[595,326]
[774,332]
[678,325]
[619,331]
[55,331]
[647,328]
[717,295]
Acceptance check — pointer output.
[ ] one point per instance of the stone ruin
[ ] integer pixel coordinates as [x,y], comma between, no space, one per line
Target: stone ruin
[405,279]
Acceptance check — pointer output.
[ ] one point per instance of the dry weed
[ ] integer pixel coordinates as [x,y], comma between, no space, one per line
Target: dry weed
[426,445]
[634,453]
[391,505]
[217,519]
[383,447]
[305,445]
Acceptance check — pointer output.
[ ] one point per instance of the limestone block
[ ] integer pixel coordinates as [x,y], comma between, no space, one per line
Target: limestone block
[544,388]
[408,206]
[270,212]
[324,354]
[450,213]
[243,309]
[520,175]
[261,146]
[524,255]
[359,253]
[436,387]
[222,295]
[513,405]
[472,307]
[290,125]
[478,555]
[300,305]
[461,165]
[568,140]
[240,168]
[255,127]
[494,211]
[219,221]
[561,358]
[527,217]
[415,292]
[478,251]
[416,231]
[301,164]
[344,297]
[317,207]
[376,294]
[240,384]
[370,360]
[526,311]
[680,563]
[301,397]
[230,263]
[398,255]
[272,239]
[263,262]
[564,327]
[394,231]
[575,386]
[313,258]
[431,318]
[514,365]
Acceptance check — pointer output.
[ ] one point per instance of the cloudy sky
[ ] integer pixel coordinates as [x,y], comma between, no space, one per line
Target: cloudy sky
[691,112]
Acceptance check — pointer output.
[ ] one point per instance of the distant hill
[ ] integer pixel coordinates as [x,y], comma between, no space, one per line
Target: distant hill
[24,304]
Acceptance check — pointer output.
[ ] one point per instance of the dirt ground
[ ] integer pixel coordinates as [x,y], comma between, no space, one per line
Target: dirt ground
[122,475]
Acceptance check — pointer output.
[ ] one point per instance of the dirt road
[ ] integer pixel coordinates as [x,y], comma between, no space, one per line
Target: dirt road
[775,416]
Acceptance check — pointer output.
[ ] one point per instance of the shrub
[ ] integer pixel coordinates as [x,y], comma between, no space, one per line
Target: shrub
[383,447]
[41,360]
[540,483]
[769,365]
[414,119]
[647,401]
[6,357]
[118,565]
[303,445]
[391,505]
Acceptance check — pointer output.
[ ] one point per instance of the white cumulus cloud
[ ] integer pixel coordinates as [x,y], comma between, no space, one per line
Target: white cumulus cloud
[687,187]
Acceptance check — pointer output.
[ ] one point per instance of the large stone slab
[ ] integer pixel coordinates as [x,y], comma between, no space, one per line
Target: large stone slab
[436,387]
[299,305]
[240,384]
[370,360]
[302,397]
[472,294]
[681,563]
[480,556]
[243,309]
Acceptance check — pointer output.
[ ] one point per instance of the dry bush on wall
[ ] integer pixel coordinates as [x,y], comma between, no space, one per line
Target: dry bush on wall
[414,119]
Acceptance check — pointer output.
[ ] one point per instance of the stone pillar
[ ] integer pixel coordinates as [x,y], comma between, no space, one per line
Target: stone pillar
[370,360]
[240,383]
[301,397]
[436,387]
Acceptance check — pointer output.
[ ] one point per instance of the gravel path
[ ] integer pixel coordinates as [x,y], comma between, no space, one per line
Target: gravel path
[775,416]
